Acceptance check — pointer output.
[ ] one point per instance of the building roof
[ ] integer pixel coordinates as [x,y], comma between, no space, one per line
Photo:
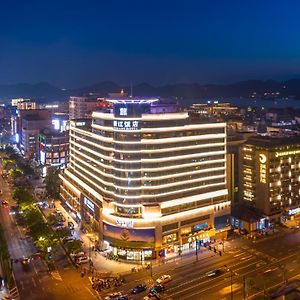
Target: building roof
[273,142]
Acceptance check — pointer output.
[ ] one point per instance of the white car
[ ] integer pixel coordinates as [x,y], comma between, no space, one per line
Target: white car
[164,279]
[112,295]
[82,260]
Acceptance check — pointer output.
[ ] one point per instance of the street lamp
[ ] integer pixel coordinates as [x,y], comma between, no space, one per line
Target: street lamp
[231,275]
[196,248]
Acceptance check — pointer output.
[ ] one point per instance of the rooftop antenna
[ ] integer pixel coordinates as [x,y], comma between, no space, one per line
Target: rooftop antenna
[131,89]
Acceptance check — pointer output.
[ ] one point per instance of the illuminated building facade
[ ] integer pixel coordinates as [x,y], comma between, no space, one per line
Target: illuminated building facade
[82,107]
[53,149]
[148,179]
[270,175]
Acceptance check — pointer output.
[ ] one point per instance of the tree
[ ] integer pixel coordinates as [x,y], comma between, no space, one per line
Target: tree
[52,182]
[73,246]
[63,232]
[23,196]
[8,164]
[16,174]
[53,219]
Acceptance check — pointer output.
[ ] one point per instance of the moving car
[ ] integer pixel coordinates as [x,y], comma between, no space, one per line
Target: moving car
[164,279]
[213,273]
[157,289]
[4,203]
[139,288]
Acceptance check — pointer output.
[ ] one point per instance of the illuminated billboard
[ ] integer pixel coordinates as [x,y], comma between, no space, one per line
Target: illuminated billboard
[129,237]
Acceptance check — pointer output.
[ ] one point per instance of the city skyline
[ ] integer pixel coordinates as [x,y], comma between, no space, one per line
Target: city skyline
[72,44]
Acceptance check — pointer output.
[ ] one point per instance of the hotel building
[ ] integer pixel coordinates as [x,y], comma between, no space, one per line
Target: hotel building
[148,178]
[270,176]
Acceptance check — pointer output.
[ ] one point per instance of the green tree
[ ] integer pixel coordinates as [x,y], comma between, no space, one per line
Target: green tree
[63,232]
[8,164]
[22,196]
[52,182]
[73,246]
[16,174]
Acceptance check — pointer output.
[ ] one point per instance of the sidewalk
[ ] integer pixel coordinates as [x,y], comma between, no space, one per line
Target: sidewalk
[104,265]
[101,263]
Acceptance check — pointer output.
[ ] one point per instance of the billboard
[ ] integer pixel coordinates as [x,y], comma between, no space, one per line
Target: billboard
[129,237]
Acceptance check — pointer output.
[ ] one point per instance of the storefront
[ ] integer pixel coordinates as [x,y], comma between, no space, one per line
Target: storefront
[136,244]
[132,254]
[189,241]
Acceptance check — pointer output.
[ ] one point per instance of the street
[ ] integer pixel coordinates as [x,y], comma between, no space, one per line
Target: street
[244,260]
[33,280]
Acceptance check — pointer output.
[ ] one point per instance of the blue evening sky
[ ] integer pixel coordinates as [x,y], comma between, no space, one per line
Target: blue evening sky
[74,43]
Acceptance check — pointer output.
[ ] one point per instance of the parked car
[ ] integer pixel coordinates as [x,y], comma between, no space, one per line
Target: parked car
[139,288]
[82,260]
[113,296]
[67,239]
[25,260]
[164,279]
[71,225]
[77,255]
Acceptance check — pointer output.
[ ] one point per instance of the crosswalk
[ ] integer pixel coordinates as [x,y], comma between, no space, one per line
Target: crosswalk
[14,293]
[55,275]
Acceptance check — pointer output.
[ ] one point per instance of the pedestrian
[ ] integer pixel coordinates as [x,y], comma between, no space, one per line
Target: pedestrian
[82,273]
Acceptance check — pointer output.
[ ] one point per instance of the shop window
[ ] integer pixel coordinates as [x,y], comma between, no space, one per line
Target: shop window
[170,238]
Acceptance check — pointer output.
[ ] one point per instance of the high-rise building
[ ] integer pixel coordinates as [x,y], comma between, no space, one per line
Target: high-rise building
[148,178]
[32,124]
[270,176]
[82,107]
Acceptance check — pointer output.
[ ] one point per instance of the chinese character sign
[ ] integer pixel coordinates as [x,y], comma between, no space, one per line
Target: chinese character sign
[126,125]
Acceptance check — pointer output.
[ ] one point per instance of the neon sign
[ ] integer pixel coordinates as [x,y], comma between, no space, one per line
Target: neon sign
[126,125]
[262,168]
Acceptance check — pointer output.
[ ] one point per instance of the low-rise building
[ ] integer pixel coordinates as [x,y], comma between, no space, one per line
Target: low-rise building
[53,149]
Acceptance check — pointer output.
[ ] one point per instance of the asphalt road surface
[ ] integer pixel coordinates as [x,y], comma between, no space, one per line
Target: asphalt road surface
[33,280]
[261,266]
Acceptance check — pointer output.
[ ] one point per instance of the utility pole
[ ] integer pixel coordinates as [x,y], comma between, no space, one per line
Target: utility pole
[196,249]
[231,279]
[244,287]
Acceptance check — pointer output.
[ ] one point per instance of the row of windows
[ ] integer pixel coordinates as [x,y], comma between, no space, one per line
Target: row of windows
[128,192]
[138,174]
[121,193]
[154,164]
[138,146]
[139,155]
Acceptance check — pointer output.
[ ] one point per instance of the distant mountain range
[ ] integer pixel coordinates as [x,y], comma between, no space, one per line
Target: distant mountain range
[44,92]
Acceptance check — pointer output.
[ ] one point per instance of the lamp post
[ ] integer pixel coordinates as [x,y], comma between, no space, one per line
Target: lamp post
[231,275]
[196,248]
